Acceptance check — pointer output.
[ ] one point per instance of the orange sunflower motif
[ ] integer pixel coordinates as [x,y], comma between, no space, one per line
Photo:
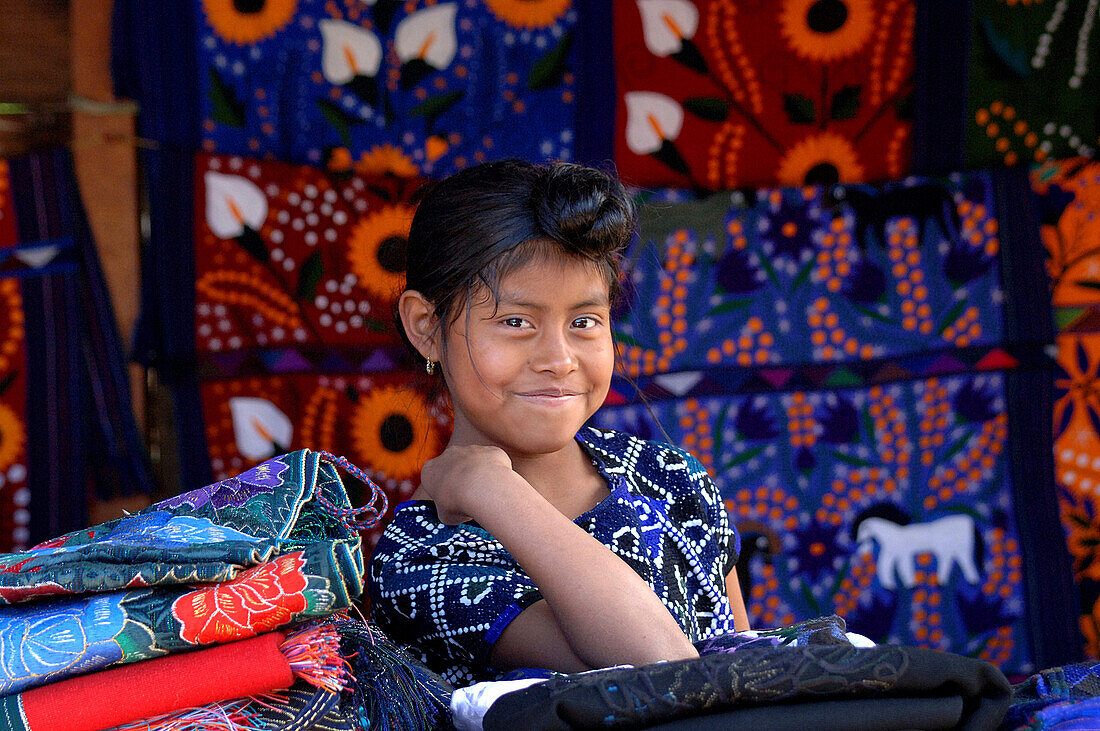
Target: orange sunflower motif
[386,160]
[826,30]
[529,14]
[247,21]
[376,249]
[12,437]
[821,159]
[392,432]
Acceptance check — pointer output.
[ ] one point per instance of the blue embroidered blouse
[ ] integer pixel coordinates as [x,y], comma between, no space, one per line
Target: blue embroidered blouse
[447,592]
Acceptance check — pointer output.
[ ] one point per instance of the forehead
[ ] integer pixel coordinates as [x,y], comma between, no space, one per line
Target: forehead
[545,281]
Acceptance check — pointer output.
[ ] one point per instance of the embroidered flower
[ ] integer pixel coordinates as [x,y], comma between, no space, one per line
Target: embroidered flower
[529,14]
[12,437]
[816,548]
[260,599]
[234,492]
[377,248]
[826,30]
[246,21]
[51,640]
[821,159]
[386,160]
[391,431]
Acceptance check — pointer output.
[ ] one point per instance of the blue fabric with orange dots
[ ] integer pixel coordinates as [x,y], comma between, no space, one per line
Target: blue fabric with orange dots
[877,463]
[418,87]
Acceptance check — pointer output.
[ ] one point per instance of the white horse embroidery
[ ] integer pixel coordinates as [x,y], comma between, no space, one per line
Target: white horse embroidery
[950,539]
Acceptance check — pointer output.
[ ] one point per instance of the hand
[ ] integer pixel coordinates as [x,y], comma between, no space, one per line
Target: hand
[459,480]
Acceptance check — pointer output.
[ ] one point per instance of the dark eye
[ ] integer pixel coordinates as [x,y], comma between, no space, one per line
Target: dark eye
[514,322]
[584,322]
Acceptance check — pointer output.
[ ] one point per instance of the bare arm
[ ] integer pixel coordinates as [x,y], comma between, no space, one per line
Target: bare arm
[596,611]
[737,602]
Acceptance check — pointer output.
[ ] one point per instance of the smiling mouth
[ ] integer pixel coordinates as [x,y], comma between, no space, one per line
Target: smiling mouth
[549,396]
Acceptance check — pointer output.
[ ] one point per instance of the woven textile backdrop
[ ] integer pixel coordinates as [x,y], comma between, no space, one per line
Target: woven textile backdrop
[1070,203]
[860,369]
[296,271]
[717,94]
[388,85]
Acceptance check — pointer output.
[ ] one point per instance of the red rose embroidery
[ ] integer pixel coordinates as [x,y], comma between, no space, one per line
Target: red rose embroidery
[259,600]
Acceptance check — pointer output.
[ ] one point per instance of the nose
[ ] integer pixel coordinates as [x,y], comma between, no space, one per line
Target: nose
[554,353]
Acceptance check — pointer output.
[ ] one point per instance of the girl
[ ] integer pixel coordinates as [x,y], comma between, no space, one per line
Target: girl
[534,541]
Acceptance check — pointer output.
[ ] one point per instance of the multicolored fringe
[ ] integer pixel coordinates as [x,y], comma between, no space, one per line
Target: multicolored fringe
[238,715]
[314,656]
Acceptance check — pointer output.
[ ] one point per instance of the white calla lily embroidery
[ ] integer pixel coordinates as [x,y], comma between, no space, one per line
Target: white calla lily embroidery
[651,120]
[666,24]
[260,428]
[348,51]
[233,204]
[428,35]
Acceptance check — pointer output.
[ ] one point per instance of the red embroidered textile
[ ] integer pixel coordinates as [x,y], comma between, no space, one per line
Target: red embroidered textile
[722,94]
[141,690]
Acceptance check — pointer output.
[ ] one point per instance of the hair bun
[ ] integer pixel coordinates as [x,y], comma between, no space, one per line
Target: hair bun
[585,206]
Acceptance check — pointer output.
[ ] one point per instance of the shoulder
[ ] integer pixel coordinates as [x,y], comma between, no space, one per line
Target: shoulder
[650,460]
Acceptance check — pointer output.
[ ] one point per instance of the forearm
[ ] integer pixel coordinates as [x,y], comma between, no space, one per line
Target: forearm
[606,612]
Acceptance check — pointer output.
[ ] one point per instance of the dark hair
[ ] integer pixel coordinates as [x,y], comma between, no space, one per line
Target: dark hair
[480,224]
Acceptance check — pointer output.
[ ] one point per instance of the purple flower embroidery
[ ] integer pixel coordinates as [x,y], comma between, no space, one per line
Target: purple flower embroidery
[234,492]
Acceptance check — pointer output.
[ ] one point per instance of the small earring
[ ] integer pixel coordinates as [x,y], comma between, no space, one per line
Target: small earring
[429,366]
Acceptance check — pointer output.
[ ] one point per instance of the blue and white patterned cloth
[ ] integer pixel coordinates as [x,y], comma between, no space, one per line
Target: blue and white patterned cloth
[447,592]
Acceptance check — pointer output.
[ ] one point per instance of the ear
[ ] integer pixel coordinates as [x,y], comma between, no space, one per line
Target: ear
[419,320]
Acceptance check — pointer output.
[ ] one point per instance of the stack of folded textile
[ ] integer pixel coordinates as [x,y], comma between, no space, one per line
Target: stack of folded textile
[222,608]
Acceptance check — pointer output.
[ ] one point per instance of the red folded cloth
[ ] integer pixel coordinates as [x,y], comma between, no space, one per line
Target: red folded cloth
[135,691]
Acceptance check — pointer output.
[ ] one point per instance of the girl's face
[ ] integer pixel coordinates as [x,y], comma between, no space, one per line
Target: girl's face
[525,373]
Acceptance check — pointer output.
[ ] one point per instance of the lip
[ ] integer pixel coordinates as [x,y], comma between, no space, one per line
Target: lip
[548,395]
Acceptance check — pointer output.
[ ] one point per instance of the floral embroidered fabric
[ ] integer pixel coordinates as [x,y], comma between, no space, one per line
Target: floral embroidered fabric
[228,561]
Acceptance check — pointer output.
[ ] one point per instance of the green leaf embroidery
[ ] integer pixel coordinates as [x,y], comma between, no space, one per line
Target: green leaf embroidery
[227,109]
[340,120]
[952,315]
[549,69]
[730,306]
[309,277]
[710,108]
[799,109]
[433,106]
[743,457]
[845,103]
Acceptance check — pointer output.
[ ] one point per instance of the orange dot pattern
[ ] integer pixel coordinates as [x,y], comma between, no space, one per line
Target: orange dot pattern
[801,424]
[697,437]
[926,623]
[891,434]
[830,341]
[903,249]
[1003,574]
[856,584]
[319,420]
[766,608]
[272,304]
[771,505]
[722,156]
[856,487]
[669,312]
[970,466]
[1012,136]
[752,346]
[11,301]
[720,26]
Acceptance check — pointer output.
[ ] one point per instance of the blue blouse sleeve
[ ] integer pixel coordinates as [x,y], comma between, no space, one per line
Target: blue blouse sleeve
[445,592]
